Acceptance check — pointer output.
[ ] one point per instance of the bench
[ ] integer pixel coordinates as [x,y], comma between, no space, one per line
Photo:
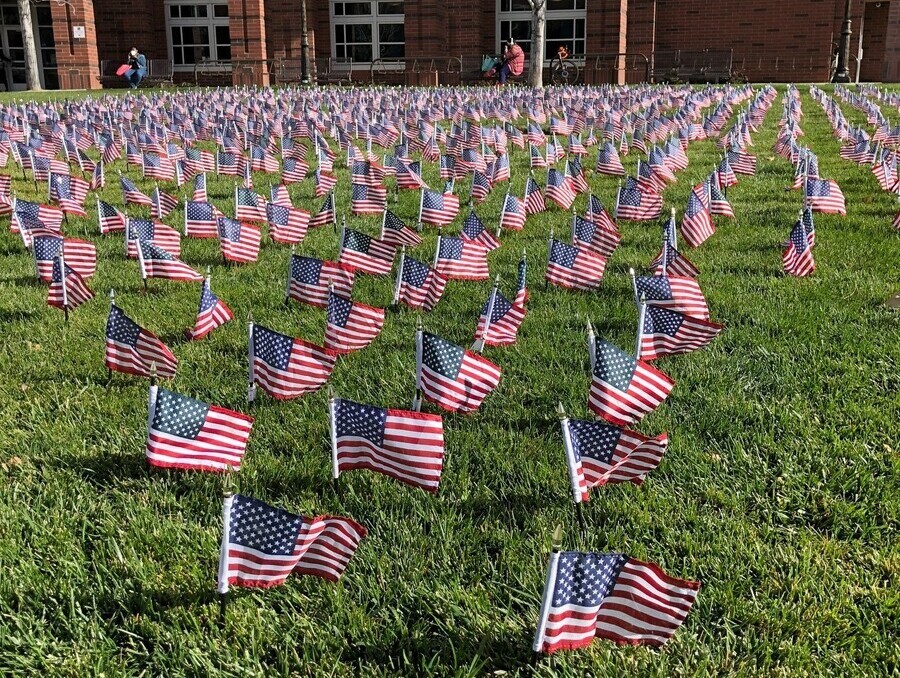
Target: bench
[333,71]
[159,72]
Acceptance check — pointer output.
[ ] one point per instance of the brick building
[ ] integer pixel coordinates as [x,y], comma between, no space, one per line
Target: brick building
[250,41]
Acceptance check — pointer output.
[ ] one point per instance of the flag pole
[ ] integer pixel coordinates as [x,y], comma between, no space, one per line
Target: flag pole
[140,254]
[478,346]
[673,232]
[421,203]
[437,251]
[251,379]
[332,426]
[343,234]
[287,286]
[222,588]
[642,313]
[549,254]
[399,280]
[573,466]
[634,284]
[618,195]
[546,600]
[573,224]
[592,345]
[417,400]
[62,274]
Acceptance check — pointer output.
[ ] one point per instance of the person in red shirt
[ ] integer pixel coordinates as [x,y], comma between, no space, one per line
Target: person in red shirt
[513,61]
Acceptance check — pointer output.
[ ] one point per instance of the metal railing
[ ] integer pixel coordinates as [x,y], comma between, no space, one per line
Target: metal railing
[430,71]
[708,65]
[606,68]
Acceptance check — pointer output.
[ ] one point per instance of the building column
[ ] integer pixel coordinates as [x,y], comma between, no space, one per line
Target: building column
[607,31]
[247,23]
[75,34]
[891,70]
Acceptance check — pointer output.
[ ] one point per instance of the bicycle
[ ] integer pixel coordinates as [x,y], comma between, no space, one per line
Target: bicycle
[563,70]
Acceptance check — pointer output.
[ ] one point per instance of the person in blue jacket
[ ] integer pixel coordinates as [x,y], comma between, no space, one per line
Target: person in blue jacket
[138,70]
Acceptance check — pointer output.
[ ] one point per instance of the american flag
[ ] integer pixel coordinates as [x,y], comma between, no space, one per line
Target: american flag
[132,195]
[157,166]
[505,319]
[521,282]
[452,377]
[535,134]
[438,209]
[537,159]
[806,216]
[326,213]
[824,195]
[364,253]
[287,225]
[249,205]
[239,242]
[160,235]
[198,161]
[674,292]
[635,204]
[474,230]
[261,161]
[534,197]
[110,152]
[351,326]
[461,260]
[201,219]
[324,183]
[559,126]
[163,204]
[409,175]
[741,162]
[594,237]
[285,367]
[648,179]
[598,453]
[481,187]
[668,332]
[158,263]
[612,596]
[366,173]
[230,164]
[69,193]
[574,172]
[80,255]
[213,313]
[293,170]
[420,285]
[395,232]
[407,446]
[671,261]
[501,169]
[559,188]
[623,389]
[278,195]
[110,219]
[263,545]
[575,145]
[98,177]
[608,161]
[309,278]
[574,267]
[189,434]
[132,349]
[597,213]
[718,203]
[658,164]
[367,199]
[797,257]
[200,188]
[513,214]
[69,291]
[727,177]
[447,167]
[697,224]
[32,219]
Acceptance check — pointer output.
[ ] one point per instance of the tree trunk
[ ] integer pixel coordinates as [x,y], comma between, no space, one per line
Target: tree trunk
[538,41]
[32,74]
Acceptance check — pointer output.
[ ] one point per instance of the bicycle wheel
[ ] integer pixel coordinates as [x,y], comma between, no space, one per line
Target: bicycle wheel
[568,73]
[556,67]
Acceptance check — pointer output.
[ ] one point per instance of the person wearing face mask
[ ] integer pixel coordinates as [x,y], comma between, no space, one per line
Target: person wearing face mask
[137,70]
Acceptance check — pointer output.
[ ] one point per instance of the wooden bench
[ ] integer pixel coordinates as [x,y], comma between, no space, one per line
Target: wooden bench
[159,72]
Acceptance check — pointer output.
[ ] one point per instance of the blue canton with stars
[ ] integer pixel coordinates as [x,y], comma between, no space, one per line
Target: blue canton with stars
[305,270]
[338,310]
[200,211]
[246,197]
[272,347]
[594,440]
[178,415]
[662,321]
[149,252]
[584,229]
[441,356]
[277,214]
[432,200]
[393,222]
[654,288]
[818,188]
[798,237]
[472,226]
[229,229]
[356,241]
[207,298]
[614,366]
[262,527]
[47,247]
[414,272]
[562,254]
[585,579]
[360,421]
[141,229]
[451,248]
[501,307]
[122,329]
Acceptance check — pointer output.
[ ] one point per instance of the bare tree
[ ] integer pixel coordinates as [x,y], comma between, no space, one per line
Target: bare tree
[32,74]
[538,41]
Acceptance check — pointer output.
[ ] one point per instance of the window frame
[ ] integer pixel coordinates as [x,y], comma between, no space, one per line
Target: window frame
[374,20]
[210,22]
[552,15]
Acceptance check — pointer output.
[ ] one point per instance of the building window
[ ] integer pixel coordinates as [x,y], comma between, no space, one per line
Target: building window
[565,25]
[364,31]
[198,32]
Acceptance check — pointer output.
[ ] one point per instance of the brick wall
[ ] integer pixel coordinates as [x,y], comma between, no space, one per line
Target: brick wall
[78,64]
[138,24]
[874,33]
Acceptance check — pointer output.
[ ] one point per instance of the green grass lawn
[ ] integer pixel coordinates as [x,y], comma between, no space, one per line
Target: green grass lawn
[779,490]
